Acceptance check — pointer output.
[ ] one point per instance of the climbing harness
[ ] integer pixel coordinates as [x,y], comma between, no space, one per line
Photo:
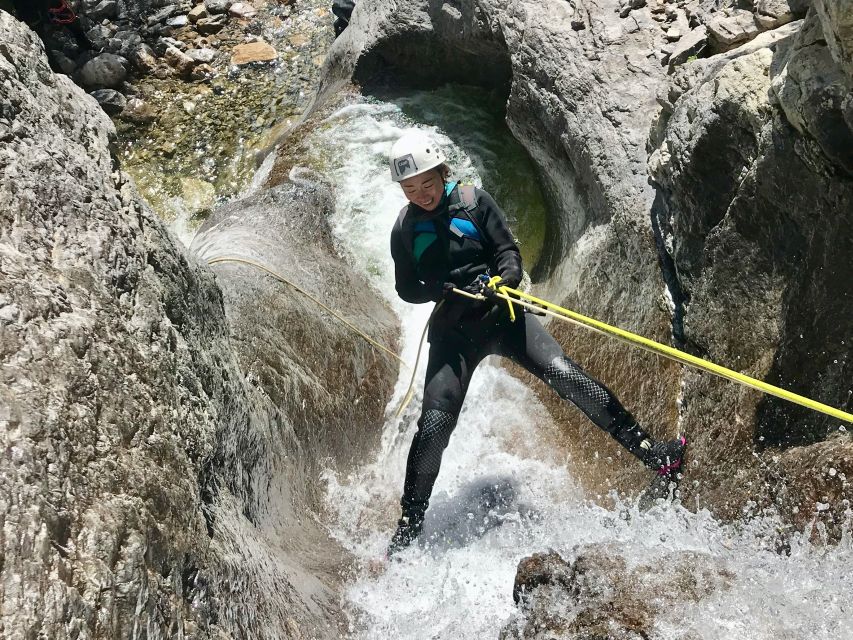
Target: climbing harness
[543,307]
[63,14]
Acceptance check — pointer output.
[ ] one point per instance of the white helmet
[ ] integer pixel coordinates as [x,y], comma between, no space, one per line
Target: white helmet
[413,154]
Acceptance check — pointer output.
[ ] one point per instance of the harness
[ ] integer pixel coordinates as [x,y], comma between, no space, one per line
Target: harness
[462,222]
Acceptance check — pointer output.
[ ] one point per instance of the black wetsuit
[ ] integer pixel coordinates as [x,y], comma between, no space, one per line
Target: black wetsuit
[432,248]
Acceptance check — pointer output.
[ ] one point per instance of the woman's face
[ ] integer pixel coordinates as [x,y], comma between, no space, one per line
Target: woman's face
[424,190]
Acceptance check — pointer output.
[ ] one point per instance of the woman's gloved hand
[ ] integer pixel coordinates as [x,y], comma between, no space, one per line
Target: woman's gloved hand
[475,287]
[510,281]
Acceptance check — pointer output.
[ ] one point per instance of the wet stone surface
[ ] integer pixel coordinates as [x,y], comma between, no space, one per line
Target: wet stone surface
[207,126]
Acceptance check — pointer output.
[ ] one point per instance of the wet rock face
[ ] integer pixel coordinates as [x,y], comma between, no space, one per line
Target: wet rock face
[145,484]
[333,384]
[756,195]
[105,439]
[598,596]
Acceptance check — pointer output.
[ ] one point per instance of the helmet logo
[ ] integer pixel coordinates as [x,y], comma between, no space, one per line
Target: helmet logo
[405,165]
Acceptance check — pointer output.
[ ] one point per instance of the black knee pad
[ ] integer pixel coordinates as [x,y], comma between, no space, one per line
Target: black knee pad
[435,428]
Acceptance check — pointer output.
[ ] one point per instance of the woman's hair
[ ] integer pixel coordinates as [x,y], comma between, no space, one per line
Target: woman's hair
[443,170]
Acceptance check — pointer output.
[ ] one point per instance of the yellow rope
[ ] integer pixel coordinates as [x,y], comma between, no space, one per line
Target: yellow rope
[281,278]
[551,309]
[410,391]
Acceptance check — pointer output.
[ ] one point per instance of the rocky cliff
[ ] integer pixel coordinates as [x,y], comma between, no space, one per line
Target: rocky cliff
[696,156]
[149,458]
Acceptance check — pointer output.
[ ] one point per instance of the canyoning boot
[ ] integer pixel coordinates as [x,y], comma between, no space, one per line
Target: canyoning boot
[667,458]
[408,529]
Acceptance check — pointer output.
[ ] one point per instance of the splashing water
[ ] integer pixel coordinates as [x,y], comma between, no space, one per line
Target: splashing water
[505,489]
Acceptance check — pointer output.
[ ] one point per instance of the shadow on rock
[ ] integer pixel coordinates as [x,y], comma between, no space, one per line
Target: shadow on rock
[453,522]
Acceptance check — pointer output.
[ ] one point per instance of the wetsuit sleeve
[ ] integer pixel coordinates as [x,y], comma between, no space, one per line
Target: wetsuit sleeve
[406,281]
[507,258]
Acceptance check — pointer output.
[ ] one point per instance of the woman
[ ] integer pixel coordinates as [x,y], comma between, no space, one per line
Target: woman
[449,236]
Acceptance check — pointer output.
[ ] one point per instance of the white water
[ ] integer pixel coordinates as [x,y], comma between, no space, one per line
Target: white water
[505,491]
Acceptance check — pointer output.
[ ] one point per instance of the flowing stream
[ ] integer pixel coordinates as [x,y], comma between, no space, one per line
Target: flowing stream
[505,491]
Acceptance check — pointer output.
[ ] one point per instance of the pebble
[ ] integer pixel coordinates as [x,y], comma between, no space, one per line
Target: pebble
[110,100]
[217,6]
[210,25]
[179,60]
[242,10]
[253,52]
[198,12]
[673,34]
[204,55]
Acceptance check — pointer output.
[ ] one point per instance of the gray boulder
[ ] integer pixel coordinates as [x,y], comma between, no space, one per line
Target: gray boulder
[727,31]
[110,100]
[814,89]
[754,215]
[101,10]
[774,13]
[836,17]
[106,71]
[689,46]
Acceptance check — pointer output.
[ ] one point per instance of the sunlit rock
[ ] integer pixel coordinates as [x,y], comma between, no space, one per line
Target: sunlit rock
[253,52]
[598,596]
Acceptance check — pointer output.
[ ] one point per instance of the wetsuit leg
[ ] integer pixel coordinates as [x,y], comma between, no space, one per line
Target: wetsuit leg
[528,343]
[449,372]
